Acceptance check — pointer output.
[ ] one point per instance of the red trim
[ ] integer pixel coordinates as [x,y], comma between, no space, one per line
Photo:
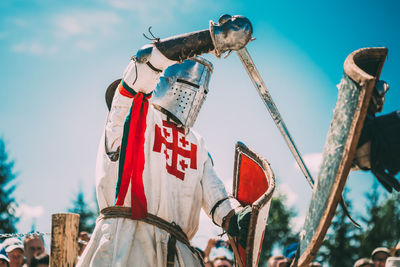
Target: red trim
[123,91]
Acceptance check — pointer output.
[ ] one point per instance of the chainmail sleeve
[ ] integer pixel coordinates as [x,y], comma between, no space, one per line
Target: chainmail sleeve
[213,192]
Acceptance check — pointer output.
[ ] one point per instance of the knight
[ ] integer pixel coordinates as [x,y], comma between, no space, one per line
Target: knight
[379,144]
[154,173]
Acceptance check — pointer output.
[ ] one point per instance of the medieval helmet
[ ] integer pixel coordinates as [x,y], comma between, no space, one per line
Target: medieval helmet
[182,90]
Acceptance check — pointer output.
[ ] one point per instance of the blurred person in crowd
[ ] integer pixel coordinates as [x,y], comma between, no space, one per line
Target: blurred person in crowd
[200,251]
[282,261]
[285,262]
[364,262]
[4,261]
[15,251]
[218,253]
[288,254]
[222,261]
[396,251]
[379,256]
[273,261]
[83,240]
[33,245]
[211,244]
[40,260]
[290,251]
[393,262]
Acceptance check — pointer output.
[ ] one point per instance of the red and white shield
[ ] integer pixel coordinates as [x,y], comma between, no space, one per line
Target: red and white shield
[253,184]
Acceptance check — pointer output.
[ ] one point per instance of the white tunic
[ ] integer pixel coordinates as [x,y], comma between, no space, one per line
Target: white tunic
[178,180]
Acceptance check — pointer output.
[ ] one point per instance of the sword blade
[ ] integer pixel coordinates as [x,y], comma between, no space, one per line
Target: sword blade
[262,90]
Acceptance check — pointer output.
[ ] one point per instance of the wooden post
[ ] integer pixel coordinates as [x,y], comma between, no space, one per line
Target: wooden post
[64,239]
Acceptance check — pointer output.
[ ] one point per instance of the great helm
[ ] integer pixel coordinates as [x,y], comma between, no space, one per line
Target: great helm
[182,90]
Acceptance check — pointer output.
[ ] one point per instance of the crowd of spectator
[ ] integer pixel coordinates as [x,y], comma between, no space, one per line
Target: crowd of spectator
[380,257]
[31,252]
[28,253]
[218,253]
[286,259]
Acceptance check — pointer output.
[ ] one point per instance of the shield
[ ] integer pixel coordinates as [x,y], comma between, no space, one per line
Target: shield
[253,184]
[362,69]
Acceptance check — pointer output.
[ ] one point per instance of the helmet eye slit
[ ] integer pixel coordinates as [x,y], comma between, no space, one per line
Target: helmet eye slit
[188,83]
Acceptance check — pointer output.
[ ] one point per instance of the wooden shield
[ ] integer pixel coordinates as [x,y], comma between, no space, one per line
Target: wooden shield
[253,184]
[362,69]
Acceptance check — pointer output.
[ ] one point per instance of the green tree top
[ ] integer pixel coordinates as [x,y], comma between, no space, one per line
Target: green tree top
[382,222]
[88,215]
[279,232]
[8,204]
[340,246]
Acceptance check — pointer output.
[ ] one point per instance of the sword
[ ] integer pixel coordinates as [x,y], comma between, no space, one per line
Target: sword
[262,90]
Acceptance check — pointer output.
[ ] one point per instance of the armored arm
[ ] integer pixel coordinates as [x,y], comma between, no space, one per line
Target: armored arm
[216,202]
[225,211]
[139,76]
[230,33]
[143,71]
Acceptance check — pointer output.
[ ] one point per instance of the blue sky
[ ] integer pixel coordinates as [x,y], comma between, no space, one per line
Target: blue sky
[58,57]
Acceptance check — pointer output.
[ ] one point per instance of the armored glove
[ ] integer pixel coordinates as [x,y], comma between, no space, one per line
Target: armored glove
[231,33]
[383,133]
[239,225]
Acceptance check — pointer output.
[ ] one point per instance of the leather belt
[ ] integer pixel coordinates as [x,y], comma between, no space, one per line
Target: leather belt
[173,229]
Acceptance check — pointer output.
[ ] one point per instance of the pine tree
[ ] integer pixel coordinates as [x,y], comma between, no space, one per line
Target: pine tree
[340,246]
[368,238]
[382,222]
[88,215]
[390,220]
[278,232]
[8,219]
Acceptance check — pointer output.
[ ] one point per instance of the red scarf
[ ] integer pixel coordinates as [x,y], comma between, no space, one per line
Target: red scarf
[132,159]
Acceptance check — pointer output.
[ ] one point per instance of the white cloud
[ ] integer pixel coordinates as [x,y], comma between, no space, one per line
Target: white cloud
[150,5]
[85,45]
[153,8]
[286,190]
[123,4]
[68,25]
[297,223]
[313,162]
[21,22]
[79,23]
[35,48]
[27,212]
[145,9]
[78,29]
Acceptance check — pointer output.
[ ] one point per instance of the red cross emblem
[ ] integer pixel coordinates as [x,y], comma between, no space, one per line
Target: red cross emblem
[179,153]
